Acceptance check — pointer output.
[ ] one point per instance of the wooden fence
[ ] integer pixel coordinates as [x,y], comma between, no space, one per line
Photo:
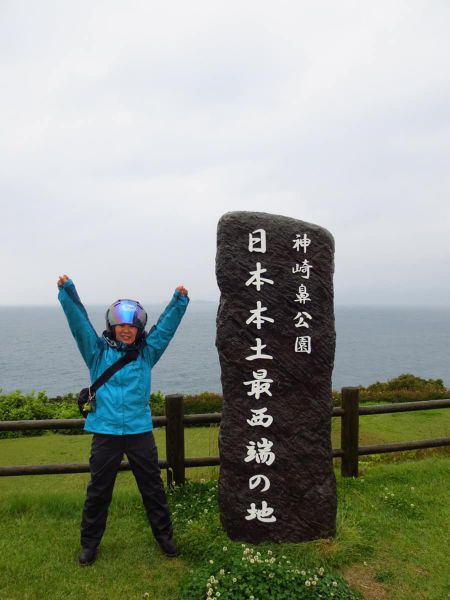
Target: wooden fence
[175,421]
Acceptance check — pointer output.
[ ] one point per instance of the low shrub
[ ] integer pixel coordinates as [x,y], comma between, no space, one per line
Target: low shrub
[66,407]
[23,407]
[204,402]
[404,388]
[18,406]
[194,404]
[158,404]
[409,382]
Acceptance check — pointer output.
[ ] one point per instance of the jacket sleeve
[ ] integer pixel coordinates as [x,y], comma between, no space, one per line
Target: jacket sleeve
[80,326]
[160,334]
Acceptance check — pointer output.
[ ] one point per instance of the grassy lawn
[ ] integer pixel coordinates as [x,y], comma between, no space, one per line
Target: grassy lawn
[392,538]
[202,441]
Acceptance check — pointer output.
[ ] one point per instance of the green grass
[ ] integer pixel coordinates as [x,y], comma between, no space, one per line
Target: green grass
[404,426]
[382,543]
[202,441]
[51,449]
[393,522]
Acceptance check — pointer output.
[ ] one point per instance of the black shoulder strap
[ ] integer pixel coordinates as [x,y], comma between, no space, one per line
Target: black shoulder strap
[128,357]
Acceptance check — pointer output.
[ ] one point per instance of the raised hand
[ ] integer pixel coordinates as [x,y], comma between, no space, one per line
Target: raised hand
[183,290]
[62,280]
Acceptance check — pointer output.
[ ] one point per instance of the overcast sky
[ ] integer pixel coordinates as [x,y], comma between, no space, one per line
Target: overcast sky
[129,128]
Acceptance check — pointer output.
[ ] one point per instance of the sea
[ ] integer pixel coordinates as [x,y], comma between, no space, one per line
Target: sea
[37,351]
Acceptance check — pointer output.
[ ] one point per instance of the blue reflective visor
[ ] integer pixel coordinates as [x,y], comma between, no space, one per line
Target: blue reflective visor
[126,312]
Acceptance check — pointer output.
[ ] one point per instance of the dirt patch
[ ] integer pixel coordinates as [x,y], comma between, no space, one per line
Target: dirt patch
[361,577]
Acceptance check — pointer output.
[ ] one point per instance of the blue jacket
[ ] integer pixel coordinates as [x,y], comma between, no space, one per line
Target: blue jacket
[122,403]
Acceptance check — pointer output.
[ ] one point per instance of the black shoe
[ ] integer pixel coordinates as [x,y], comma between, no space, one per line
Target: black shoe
[87,556]
[169,547]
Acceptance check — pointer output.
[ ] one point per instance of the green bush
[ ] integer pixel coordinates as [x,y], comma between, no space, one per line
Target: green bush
[18,406]
[205,402]
[67,409]
[409,382]
[158,404]
[404,388]
[194,404]
[24,407]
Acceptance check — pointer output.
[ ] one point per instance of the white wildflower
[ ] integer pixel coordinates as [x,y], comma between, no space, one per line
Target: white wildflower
[307,583]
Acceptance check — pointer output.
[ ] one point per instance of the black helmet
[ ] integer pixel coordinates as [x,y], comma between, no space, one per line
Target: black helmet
[125,312]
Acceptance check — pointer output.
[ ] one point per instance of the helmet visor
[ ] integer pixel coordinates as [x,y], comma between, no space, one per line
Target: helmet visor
[127,312]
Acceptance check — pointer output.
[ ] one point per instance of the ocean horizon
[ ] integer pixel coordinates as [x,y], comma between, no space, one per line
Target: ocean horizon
[373,343]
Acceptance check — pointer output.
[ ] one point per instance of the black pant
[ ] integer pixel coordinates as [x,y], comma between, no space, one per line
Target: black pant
[106,455]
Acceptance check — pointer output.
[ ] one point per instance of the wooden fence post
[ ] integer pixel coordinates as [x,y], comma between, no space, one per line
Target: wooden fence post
[175,439]
[350,431]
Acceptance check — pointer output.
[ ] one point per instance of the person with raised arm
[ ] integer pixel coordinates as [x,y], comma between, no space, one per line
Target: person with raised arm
[120,419]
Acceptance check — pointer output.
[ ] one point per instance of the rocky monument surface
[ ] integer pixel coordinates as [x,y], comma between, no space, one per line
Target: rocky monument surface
[276,342]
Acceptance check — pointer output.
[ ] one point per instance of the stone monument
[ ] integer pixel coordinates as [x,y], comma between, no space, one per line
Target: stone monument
[276,342]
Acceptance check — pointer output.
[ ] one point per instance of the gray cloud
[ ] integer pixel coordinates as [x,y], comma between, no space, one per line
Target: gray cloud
[128,131]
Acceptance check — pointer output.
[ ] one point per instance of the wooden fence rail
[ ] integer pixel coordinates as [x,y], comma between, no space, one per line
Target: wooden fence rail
[175,422]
